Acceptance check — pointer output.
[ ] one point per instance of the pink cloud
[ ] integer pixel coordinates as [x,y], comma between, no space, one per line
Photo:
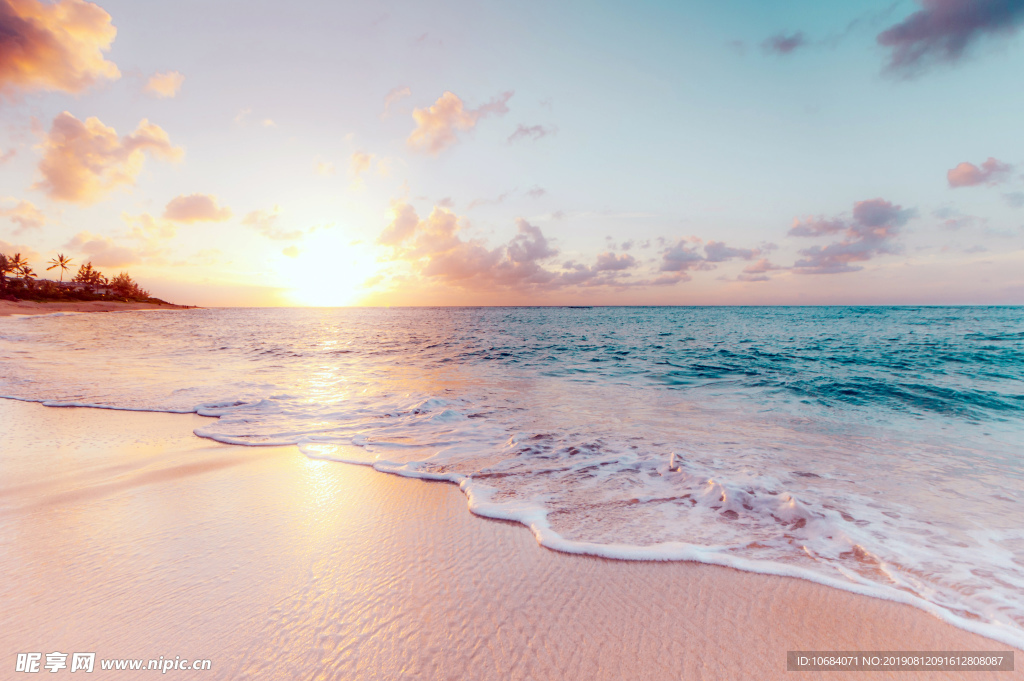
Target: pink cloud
[25,215]
[609,262]
[360,163]
[991,172]
[716,251]
[872,231]
[83,161]
[54,46]
[758,271]
[164,85]
[437,253]
[30,254]
[196,208]
[393,96]
[102,251]
[437,125]
[265,222]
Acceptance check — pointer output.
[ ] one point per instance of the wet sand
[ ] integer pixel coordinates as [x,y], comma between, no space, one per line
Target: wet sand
[10,307]
[123,534]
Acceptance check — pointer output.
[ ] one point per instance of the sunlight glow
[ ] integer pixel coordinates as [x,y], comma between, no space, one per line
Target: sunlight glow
[329,271]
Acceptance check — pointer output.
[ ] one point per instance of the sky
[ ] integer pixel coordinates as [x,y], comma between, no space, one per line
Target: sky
[528,153]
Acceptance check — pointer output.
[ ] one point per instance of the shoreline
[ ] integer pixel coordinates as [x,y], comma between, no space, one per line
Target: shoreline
[275,565]
[31,307]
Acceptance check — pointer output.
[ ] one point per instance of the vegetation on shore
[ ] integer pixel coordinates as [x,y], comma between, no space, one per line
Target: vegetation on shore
[88,283]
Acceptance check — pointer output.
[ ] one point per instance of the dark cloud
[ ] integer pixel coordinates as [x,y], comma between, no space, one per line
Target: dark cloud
[871,231]
[609,262]
[816,227]
[716,251]
[943,30]
[531,132]
[784,44]
[681,257]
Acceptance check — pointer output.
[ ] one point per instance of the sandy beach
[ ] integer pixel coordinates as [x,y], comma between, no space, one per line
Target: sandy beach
[29,307]
[123,534]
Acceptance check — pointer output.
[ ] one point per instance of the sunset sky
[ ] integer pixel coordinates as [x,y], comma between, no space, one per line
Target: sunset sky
[462,153]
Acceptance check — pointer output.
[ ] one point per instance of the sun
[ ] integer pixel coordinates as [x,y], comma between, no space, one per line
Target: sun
[327,270]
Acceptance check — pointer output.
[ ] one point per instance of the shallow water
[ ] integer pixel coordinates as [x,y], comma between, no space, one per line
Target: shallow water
[874,449]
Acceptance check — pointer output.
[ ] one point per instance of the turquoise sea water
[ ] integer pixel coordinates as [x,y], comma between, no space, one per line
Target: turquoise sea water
[874,449]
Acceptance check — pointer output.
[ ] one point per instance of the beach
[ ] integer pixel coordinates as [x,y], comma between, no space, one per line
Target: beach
[30,307]
[123,534]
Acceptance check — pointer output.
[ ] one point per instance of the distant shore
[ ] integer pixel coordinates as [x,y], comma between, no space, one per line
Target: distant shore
[29,307]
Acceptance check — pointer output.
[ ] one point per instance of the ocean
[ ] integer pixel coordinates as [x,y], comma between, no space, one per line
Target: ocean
[874,449]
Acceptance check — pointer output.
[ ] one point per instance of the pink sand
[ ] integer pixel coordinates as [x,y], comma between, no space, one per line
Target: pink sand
[123,534]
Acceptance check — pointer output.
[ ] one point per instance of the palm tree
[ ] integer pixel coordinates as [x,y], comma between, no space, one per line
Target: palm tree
[61,262]
[16,262]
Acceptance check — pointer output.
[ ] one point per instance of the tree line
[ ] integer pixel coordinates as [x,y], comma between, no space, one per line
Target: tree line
[27,283]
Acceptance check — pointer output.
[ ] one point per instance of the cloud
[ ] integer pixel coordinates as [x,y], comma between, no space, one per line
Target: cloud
[291,251]
[83,162]
[757,271]
[874,226]
[681,257]
[7,248]
[196,208]
[393,96]
[149,231]
[436,126]
[1015,199]
[991,172]
[325,168]
[242,118]
[784,44]
[536,192]
[403,224]
[609,262]
[264,221]
[435,250]
[500,198]
[25,215]
[943,30]
[7,155]
[716,251]
[816,226]
[533,132]
[102,251]
[164,84]
[360,163]
[56,46]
